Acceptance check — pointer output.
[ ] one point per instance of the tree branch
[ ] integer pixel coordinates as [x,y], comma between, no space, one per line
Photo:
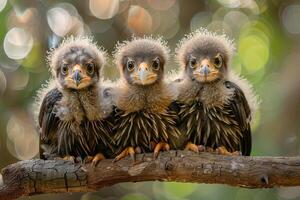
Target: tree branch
[57,176]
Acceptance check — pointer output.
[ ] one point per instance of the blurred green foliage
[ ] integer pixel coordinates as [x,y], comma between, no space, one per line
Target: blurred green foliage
[266,34]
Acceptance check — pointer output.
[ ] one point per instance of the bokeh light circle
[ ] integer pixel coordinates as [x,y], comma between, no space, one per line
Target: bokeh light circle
[167,24]
[104,9]
[230,3]
[59,21]
[139,20]
[161,5]
[253,52]
[236,19]
[19,80]
[200,19]
[290,19]
[2,4]
[17,43]
[100,26]
[22,140]
[220,27]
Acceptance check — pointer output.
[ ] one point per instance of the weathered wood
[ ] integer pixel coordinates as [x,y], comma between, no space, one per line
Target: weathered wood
[57,176]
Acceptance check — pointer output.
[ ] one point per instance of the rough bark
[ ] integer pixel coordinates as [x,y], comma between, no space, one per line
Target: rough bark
[57,176]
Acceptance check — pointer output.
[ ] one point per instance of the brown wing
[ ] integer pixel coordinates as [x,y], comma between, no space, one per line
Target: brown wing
[48,121]
[242,115]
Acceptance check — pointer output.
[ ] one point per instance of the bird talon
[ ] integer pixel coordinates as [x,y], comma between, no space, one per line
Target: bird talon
[87,159]
[127,151]
[94,160]
[160,146]
[191,147]
[237,153]
[97,158]
[223,151]
[69,158]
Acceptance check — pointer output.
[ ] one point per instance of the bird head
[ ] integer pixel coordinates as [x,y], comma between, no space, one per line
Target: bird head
[141,61]
[204,56]
[76,63]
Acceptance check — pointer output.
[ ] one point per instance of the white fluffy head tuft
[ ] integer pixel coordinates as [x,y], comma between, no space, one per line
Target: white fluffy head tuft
[55,54]
[202,38]
[146,43]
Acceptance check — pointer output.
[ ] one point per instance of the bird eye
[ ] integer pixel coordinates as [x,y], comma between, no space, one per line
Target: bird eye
[90,68]
[64,69]
[193,62]
[130,65]
[218,61]
[156,64]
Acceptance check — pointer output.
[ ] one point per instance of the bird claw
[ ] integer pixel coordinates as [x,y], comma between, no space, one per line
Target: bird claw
[94,160]
[223,151]
[127,151]
[69,158]
[192,147]
[160,146]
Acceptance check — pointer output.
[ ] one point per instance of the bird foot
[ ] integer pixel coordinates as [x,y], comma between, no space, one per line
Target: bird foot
[94,159]
[69,158]
[223,151]
[160,146]
[127,151]
[195,148]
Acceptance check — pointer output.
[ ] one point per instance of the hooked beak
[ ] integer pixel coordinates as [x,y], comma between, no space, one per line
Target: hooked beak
[77,74]
[204,70]
[143,73]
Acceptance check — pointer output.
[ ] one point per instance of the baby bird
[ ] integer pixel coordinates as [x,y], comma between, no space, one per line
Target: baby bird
[217,106]
[74,108]
[144,122]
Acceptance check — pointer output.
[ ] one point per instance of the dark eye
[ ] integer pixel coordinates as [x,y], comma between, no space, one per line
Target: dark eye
[193,62]
[156,64]
[64,69]
[90,68]
[130,65]
[218,61]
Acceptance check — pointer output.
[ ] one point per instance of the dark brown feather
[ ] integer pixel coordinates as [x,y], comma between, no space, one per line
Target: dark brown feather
[60,138]
[227,125]
[48,123]
[142,127]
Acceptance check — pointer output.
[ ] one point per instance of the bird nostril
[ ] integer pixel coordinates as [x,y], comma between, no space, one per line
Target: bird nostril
[77,70]
[205,70]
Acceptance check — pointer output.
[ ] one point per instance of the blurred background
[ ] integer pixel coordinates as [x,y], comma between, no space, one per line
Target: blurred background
[267,37]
